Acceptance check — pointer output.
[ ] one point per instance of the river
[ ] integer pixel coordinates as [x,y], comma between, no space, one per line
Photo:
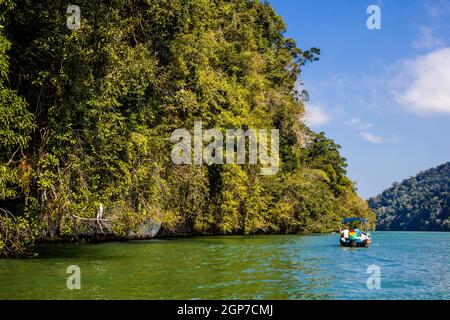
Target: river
[411,265]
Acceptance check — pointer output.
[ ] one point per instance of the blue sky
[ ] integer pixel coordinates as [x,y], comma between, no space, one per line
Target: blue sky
[383,95]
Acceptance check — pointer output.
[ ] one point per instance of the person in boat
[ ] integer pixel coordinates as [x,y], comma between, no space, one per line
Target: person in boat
[358,233]
[345,233]
[352,234]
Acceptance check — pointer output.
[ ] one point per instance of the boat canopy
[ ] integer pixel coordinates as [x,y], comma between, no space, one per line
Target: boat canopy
[348,220]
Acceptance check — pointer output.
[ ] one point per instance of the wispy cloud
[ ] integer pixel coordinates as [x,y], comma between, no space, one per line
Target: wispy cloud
[427,79]
[363,129]
[371,137]
[358,124]
[333,83]
[426,39]
[316,115]
[375,139]
[437,8]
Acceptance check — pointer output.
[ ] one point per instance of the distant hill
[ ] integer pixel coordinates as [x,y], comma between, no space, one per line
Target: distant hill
[420,203]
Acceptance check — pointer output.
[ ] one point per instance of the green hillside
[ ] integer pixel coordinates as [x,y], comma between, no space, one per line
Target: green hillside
[420,203]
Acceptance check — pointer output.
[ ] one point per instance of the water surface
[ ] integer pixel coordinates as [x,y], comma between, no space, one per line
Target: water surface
[413,265]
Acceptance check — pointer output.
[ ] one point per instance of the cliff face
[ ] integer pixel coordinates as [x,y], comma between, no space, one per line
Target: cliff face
[420,203]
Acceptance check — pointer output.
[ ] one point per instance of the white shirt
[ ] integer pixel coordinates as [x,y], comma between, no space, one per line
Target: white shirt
[345,233]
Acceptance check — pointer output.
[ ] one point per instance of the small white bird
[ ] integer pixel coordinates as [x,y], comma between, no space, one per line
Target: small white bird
[100,212]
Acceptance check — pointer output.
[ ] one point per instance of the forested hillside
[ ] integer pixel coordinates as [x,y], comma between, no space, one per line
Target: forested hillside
[420,203]
[86,118]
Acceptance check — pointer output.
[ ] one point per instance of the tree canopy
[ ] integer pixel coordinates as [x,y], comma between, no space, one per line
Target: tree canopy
[86,117]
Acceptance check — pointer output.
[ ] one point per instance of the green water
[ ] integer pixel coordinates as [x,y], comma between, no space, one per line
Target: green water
[413,265]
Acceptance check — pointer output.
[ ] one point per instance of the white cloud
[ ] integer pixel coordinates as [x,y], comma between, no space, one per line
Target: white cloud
[427,83]
[358,124]
[315,115]
[426,39]
[371,137]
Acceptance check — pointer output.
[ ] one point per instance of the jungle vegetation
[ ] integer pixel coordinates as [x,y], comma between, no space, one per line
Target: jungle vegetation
[86,117]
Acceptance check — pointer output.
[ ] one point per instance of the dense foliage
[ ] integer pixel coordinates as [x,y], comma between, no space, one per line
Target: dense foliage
[87,115]
[420,203]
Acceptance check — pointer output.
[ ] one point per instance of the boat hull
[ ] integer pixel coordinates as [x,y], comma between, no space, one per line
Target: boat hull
[355,243]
